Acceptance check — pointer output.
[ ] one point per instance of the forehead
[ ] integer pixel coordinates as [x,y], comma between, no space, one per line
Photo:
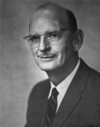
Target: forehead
[47,20]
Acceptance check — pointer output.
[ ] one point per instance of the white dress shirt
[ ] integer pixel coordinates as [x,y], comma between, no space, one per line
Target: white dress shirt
[63,86]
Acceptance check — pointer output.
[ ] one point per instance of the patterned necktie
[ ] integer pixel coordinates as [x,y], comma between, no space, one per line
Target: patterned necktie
[51,108]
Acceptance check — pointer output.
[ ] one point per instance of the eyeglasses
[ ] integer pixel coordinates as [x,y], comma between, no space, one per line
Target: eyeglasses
[49,37]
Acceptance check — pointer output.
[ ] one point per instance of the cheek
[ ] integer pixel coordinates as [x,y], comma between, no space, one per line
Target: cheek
[64,53]
[61,51]
[34,52]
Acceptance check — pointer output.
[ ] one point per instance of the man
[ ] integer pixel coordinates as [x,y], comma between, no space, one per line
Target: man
[55,39]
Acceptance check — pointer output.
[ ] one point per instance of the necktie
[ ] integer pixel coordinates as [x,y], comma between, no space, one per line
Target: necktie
[51,108]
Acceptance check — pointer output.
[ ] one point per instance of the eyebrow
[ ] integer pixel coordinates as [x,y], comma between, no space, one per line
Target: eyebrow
[47,32]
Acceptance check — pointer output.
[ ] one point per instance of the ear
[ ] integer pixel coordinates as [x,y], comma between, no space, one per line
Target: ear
[78,40]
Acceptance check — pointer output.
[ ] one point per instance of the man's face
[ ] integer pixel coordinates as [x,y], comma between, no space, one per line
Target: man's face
[50,57]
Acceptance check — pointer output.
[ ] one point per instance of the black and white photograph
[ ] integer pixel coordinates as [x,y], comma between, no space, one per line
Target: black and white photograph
[49,63]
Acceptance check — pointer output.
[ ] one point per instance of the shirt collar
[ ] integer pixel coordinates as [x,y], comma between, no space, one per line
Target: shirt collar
[63,86]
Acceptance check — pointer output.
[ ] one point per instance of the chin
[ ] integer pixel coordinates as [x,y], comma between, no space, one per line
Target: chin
[47,67]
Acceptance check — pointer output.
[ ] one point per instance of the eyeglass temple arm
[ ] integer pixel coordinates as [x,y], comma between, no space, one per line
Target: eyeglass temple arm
[26,37]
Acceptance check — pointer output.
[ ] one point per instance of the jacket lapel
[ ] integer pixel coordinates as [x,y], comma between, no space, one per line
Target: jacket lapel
[44,97]
[72,96]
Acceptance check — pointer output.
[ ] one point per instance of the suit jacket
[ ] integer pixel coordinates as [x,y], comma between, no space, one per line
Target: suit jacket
[80,106]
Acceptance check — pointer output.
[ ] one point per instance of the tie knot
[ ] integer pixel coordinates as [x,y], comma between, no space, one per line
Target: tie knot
[54,92]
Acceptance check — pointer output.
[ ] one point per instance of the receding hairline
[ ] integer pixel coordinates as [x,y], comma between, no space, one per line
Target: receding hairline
[56,9]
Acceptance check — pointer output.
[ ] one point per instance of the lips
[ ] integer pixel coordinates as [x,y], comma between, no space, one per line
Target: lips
[46,57]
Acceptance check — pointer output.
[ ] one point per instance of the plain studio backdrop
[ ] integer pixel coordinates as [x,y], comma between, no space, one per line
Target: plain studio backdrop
[18,71]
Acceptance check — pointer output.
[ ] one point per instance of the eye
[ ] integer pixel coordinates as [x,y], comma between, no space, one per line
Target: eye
[53,35]
[34,38]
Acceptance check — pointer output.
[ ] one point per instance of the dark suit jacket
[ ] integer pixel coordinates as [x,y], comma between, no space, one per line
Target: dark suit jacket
[80,106]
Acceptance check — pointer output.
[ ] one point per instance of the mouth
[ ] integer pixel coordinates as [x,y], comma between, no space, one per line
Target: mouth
[47,58]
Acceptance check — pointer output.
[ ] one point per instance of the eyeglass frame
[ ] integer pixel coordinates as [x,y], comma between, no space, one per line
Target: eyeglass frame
[58,32]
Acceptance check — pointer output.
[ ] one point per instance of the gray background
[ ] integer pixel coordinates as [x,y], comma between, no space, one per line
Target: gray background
[18,71]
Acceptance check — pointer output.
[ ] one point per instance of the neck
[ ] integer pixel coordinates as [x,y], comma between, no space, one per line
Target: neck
[58,75]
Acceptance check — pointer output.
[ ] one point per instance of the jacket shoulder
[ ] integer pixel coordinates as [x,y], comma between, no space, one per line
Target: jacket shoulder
[92,79]
[39,89]
[94,84]
[94,76]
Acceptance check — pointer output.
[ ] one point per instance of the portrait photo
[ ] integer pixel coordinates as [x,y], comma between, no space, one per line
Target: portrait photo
[49,63]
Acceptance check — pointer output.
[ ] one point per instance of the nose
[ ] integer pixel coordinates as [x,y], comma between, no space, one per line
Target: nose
[43,46]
